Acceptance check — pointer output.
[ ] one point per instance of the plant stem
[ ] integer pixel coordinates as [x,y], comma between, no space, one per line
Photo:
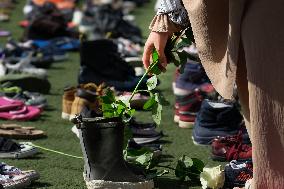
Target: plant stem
[140,81]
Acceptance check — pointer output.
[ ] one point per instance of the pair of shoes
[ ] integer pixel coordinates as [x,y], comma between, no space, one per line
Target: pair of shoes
[230,148]
[75,99]
[186,109]
[102,145]
[217,119]
[11,109]
[238,173]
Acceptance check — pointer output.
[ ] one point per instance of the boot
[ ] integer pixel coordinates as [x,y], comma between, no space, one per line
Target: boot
[102,145]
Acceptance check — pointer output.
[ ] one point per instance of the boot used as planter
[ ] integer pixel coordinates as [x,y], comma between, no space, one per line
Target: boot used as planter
[102,145]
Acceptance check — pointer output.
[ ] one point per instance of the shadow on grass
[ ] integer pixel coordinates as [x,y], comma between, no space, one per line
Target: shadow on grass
[39,185]
[170,183]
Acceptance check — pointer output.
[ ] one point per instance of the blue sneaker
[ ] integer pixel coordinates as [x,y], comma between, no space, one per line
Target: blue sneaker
[217,119]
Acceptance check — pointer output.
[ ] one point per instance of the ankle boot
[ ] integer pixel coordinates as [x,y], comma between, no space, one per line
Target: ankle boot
[102,145]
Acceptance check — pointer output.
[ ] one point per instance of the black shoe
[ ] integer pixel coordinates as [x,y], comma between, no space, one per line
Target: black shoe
[237,173]
[102,145]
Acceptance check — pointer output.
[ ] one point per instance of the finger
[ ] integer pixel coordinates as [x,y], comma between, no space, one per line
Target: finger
[147,55]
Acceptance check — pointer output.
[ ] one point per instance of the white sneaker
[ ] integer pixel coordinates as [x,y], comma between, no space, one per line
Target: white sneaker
[25,66]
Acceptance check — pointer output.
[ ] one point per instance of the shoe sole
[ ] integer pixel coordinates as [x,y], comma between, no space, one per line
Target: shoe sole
[176,118]
[198,144]
[223,159]
[185,125]
[65,116]
[19,155]
[102,184]
[146,140]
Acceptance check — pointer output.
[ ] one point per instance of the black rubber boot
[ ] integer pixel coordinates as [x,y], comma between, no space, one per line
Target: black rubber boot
[102,146]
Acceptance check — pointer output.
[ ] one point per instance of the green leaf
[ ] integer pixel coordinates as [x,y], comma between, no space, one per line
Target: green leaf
[189,34]
[157,113]
[162,100]
[152,82]
[109,97]
[150,103]
[186,161]
[155,56]
[153,173]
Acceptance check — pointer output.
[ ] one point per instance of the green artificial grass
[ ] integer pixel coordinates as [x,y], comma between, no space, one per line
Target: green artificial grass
[59,172]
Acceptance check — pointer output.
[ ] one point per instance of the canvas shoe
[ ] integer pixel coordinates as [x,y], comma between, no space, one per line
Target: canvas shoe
[187,108]
[25,66]
[5,169]
[237,173]
[12,182]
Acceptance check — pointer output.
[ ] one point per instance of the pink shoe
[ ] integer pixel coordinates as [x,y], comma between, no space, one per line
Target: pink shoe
[7,104]
[23,114]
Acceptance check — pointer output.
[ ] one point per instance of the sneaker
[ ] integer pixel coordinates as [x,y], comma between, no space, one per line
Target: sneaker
[216,119]
[238,173]
[5,169]
[67,100]
[32,99]
[230,148]
[12,182]
[187,108]
[12,150]
[25,66]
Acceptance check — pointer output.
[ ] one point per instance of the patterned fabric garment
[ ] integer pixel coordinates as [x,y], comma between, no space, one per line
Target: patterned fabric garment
[175,11]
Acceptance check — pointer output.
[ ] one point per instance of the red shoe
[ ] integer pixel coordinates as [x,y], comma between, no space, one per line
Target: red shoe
[230,148]
[188,108]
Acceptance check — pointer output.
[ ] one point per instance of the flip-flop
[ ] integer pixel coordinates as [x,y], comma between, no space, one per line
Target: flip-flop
[7,104]
[23,114]
[17,132]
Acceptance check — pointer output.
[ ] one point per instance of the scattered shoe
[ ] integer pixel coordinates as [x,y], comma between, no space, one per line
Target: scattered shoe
[230,148]
[186,109]
[18,132]
[216,119]
[12,150]
[237,173]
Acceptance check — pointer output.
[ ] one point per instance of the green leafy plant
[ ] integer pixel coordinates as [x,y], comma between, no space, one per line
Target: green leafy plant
[112,107]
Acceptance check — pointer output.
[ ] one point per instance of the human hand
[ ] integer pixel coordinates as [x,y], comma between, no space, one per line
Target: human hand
[157,40]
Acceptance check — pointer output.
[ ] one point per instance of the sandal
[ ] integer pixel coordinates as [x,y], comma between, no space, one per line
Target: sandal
[18,132]
[24,113]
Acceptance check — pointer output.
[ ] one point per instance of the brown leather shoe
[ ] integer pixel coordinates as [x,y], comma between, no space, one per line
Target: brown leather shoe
[86,95]
[67,101]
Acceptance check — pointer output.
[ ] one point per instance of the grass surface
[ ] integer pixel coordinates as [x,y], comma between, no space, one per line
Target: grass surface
[63,172]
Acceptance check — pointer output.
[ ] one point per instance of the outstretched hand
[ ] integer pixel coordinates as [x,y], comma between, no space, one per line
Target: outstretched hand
[157,40]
